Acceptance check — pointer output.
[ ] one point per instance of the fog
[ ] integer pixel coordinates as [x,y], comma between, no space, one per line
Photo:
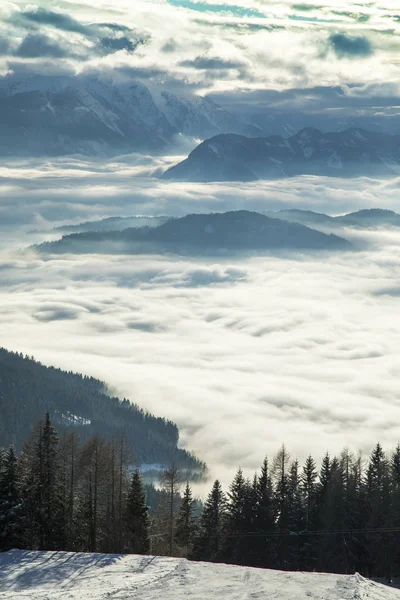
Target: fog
[244,355]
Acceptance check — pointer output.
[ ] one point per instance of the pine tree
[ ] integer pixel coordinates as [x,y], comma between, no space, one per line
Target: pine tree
[185,522]
[137,518]
[10,504]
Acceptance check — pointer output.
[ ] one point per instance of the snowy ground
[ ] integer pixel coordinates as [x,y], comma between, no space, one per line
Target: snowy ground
[62,576]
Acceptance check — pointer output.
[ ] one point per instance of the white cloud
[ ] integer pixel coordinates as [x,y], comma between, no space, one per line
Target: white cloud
[243,354]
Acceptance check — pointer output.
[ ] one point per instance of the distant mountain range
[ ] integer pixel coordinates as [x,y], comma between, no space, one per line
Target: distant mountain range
[49,115]
[81,404]
[350,153]
[371,218]
[236,231]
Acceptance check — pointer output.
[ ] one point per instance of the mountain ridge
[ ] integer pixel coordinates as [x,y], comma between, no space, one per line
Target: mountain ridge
[240,231]
[57,115]
[82,404]
[231,157]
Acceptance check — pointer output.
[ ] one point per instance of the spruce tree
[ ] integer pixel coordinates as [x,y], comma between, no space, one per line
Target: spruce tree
[264,520]
[43,494]
[185,522]
[209,542]
[137,518]
[239,521]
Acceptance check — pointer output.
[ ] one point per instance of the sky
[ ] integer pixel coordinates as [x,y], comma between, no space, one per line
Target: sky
[210,46]
[244,355]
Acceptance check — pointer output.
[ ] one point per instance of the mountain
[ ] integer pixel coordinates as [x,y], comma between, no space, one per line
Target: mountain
[114,224]
[350,153]
[372,217]
[73,576]
[80,403]
[366,218]
[200,117]
[307,217]
[235,231]
[46,115]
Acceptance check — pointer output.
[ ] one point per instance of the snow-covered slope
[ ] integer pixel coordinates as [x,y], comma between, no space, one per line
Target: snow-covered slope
[46,115]
[62,576]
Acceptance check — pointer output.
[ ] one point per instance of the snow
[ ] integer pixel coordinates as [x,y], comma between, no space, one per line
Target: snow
[63,575]
[335,161]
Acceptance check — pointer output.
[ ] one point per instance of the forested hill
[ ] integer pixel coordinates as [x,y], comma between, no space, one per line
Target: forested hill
[80,403]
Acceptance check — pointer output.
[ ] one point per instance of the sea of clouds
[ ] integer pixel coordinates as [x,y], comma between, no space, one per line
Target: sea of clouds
[244,354]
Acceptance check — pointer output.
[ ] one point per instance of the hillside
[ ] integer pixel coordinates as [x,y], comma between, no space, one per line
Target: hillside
[233,231]
[62,576]
[28,389]
[350,153]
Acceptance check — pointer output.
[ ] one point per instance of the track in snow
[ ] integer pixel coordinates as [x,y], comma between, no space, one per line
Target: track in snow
[69,576]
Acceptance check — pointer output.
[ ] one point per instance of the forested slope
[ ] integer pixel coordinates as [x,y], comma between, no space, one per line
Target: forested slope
[28,389]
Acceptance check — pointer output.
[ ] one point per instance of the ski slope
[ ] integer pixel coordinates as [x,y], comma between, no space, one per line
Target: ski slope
[63,575]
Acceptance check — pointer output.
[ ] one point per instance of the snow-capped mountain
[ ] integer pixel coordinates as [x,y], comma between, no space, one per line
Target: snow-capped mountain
[200,117]
[354,152]
[43,115]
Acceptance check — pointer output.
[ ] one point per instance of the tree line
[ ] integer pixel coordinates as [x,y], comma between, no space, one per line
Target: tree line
[64,494]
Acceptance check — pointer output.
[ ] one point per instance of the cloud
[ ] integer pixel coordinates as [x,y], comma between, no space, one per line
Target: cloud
[37,45]
[116,44]
[347,46]
[43,16]
[304,348]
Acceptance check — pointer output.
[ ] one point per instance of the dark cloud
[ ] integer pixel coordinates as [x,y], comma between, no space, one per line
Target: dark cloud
[170,46]
[42,16]
[116,44]
[346,46]
[37,46]
[205,62]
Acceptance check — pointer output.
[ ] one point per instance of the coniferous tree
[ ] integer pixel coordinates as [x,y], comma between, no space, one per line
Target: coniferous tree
[239,521]
[185,522]
[43,505]
[10,503]
[282,507]
[309,521]
[377,510]
[264,520]
[209,542]
[137,518]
